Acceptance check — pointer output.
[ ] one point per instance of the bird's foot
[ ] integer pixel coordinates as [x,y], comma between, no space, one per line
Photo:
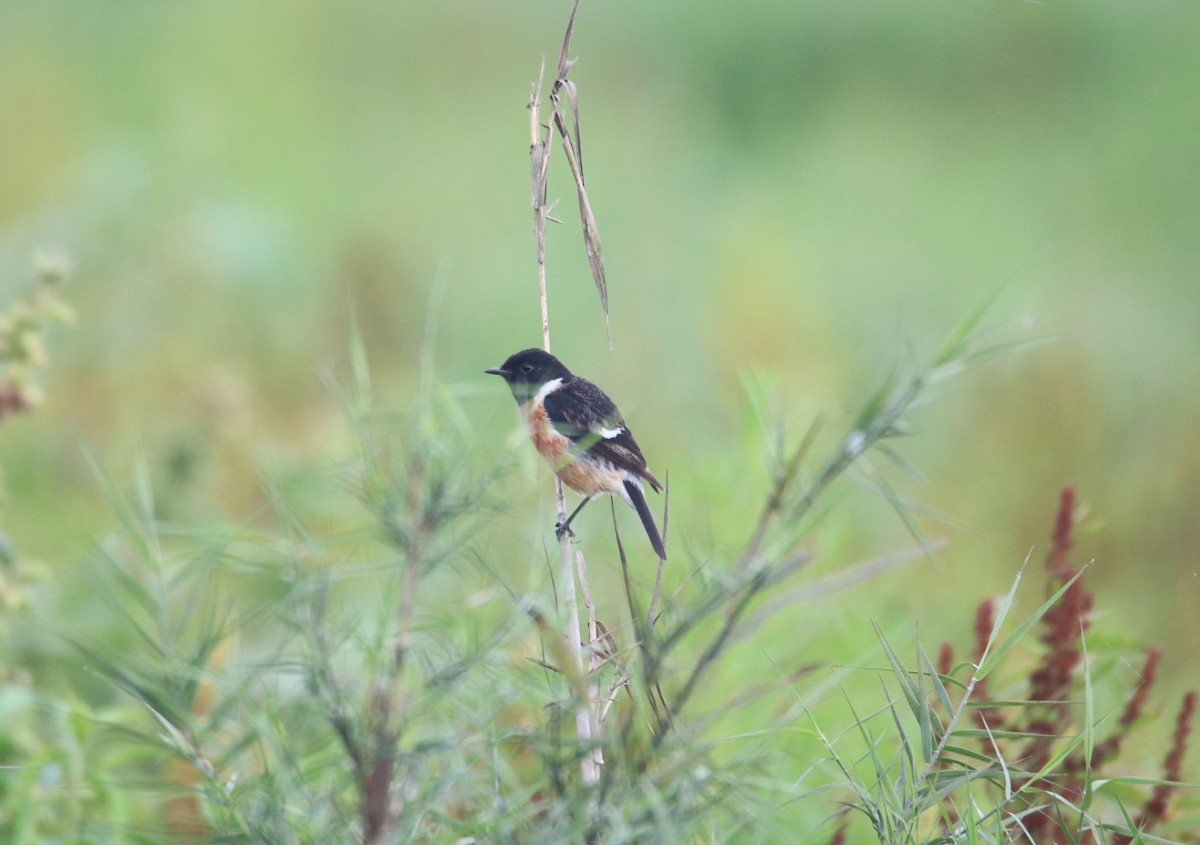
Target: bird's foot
[560,530]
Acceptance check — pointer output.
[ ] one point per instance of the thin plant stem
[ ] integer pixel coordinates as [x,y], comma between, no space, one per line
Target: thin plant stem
[539,168]
[652,613]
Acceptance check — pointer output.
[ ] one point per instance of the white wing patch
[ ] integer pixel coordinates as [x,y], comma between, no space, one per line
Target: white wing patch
[609,433]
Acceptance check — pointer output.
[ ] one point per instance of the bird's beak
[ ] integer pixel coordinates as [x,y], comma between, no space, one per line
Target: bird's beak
[498,371]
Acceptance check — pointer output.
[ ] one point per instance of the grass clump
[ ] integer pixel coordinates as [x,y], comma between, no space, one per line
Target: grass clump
[970,767]
[300,685]
[369,673]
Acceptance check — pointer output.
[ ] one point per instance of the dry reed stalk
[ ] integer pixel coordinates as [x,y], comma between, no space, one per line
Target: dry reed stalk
[587,715]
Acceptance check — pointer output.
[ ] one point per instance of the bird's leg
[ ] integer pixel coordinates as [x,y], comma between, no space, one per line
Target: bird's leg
[561,528]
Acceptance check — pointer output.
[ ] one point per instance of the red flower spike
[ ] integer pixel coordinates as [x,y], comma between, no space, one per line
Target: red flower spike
[945,661]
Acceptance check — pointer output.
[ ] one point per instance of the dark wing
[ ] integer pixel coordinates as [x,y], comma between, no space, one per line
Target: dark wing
[585,415]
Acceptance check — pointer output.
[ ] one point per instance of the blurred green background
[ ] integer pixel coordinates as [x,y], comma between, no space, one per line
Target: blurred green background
[795,199]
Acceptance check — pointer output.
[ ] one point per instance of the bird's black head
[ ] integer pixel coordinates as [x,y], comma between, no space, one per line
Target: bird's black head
[526,371]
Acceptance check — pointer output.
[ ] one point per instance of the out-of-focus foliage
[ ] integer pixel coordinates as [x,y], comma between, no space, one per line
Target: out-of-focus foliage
[791,195]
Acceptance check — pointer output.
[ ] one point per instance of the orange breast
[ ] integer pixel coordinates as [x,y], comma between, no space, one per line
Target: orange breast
[546,439]
[581,476]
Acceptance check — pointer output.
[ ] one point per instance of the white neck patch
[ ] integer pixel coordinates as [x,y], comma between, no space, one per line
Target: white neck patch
[546,389]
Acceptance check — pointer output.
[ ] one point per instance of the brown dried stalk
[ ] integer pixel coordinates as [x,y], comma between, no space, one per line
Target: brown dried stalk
[587,711]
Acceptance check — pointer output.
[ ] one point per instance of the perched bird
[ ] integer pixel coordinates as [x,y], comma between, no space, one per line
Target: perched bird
[579,431]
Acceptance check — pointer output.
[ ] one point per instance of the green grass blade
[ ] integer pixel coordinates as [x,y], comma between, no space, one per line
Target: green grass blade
[994,657]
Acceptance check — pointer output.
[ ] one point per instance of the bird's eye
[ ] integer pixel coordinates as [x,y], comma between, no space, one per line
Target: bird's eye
[527,368]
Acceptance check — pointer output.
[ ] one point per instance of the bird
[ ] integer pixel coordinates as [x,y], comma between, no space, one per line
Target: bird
[581,434]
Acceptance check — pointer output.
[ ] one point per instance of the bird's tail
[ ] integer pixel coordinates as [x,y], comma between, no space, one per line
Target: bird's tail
[637,498]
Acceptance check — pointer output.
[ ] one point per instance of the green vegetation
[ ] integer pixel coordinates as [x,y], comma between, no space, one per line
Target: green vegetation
[279,568]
